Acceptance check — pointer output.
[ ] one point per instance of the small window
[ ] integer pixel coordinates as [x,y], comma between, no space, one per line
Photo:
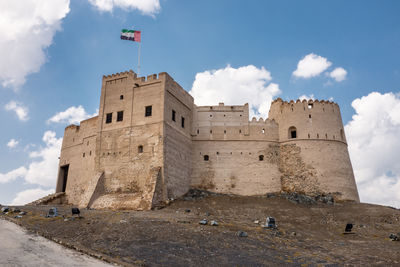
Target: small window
[224,131]
[210,131]
[90,152]
[240,131]
[183,122]
[261,157]
[210,115]
[263,131]
[83,155]
[140,149]
[206,157]
[292,132]
[308,136]
[317,135]
[87,143]
[121,97]
[120,115]
[326,136]
[217,153]
[310,105]
[309,116]
[173,115]
[148,111]
[341,134]
[198,131]
[109,118]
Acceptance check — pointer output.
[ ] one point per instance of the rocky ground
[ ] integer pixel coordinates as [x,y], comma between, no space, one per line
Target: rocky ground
[309,233]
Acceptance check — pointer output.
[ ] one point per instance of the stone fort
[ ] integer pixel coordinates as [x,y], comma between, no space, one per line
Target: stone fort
[150,143]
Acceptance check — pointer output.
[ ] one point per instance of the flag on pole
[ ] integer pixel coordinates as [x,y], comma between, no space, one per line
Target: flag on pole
[130,35]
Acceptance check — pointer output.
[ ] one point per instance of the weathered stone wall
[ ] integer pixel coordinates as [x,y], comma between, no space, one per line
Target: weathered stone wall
[317,160]
[130,151]
[177,139]
[234,167]
[78,151]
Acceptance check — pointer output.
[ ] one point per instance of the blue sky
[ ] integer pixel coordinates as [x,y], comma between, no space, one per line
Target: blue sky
[263,40]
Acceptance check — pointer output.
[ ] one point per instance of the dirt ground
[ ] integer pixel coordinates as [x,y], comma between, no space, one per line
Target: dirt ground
[307,235]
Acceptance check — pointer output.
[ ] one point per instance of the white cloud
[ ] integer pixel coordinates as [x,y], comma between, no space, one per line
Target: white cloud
[311,65]
[12,143]
[374,145]
[148,7]
[306,97]
[30,195]
[12,175]
[18,108]
[339,74]
[44,165]
[236,86]
[26,30]
[72,115]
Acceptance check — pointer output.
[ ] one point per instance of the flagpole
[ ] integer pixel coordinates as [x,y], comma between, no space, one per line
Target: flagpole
[138,65]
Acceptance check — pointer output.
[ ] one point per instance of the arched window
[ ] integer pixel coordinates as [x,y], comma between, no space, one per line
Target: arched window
[292,133]
[206,158]
[140,149]
[261,157]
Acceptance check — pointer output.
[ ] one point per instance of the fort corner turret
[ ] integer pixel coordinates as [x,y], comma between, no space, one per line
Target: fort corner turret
[150,143]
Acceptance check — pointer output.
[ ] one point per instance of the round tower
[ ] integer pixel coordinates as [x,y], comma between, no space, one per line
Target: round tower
[314,158]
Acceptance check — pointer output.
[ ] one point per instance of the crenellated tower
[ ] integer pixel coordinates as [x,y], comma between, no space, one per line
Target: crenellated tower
[314,154]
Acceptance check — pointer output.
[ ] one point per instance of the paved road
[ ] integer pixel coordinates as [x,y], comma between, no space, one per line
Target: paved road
[20,248]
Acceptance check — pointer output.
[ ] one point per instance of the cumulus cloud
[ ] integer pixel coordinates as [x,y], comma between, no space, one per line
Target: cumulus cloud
[26,30]
[339,74]
[18,108]
[236,86]
[12,143]
[72,115]
[311,65]
[147,7]
[30,195]
[42,170]
[374,144]
[12,175]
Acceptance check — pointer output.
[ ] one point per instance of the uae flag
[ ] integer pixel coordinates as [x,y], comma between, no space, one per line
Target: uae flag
[130,35]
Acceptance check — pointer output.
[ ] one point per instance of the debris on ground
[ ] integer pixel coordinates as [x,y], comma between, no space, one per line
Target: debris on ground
[187,210]
[304,199]
[76,211]
[5,209]
[23,213]
[270,223]
[18,217]
[241,234]
[214,223]
[348,228]
[203,222]
[394,237]
[53,212]
[256,221]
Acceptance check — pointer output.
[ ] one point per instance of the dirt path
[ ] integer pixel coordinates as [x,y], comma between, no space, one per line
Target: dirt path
[19,248]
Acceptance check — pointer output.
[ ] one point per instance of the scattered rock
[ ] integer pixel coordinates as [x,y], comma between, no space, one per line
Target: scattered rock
[18,216]
[123,221]
[256,221]
[394,237]
[15,210]
[203,222]
[241,234]
[214,223]
[23,213]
